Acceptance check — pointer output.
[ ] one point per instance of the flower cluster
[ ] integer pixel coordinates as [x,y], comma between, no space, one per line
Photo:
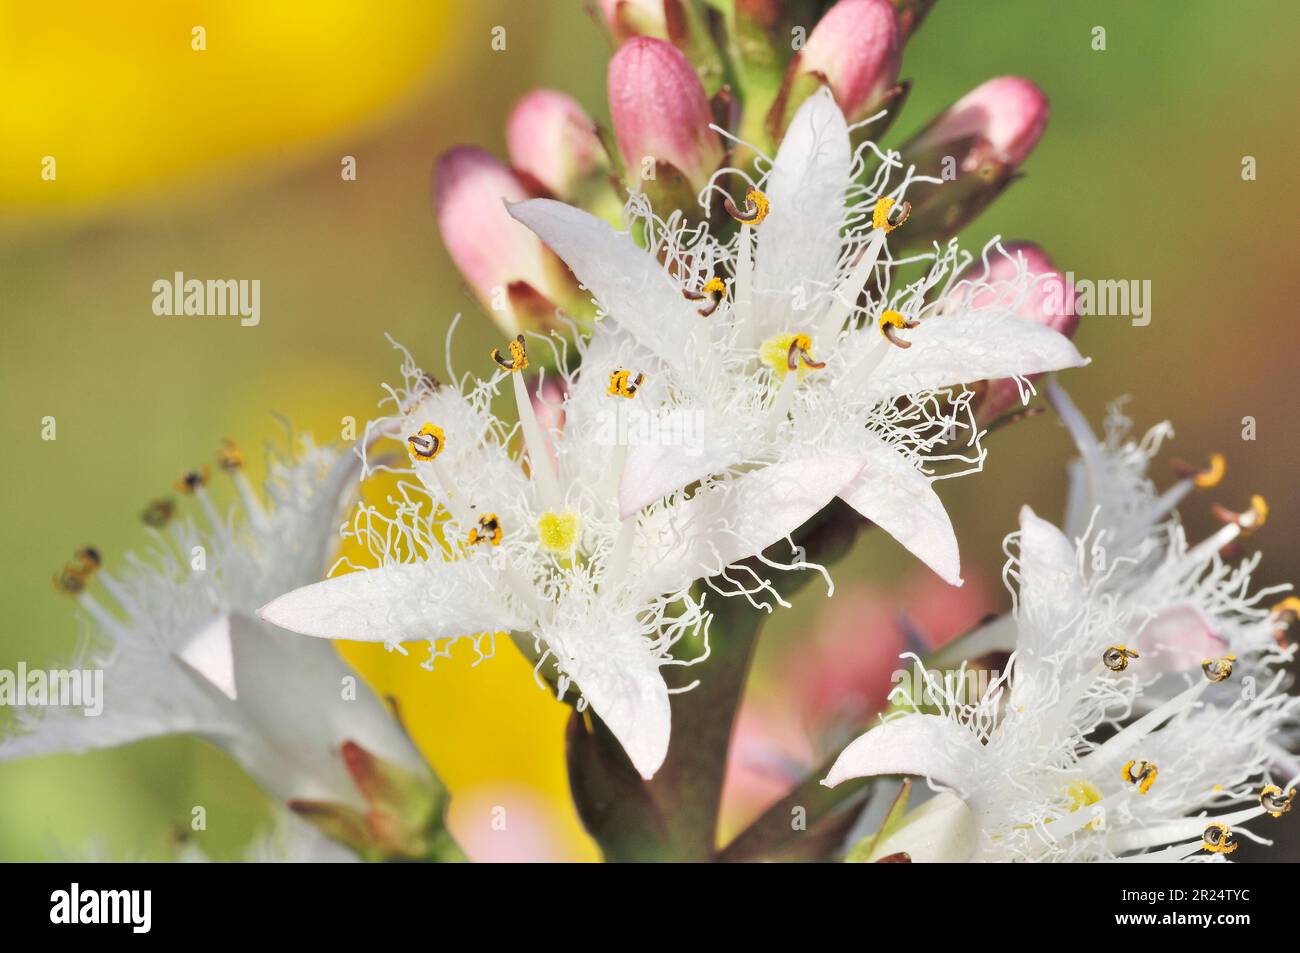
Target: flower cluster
[731,321]
[1143,703]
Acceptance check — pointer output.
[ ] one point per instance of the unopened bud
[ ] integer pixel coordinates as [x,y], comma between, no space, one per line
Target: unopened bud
[551,138]
[976,147]
[661,115]
[518,281]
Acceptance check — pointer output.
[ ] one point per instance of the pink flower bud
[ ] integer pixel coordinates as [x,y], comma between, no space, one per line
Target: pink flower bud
[551,138]
[857,46]
[661,112]
[503,261]
[1008,114]
[629,18]
[1049,302]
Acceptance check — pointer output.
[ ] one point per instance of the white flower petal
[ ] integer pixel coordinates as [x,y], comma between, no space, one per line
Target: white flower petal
[290,692]
[208,653]
[735,519]
[799,241]
[1050,589]
[963,348]
[397,603]
[898,498]
[619,676]
[940,831]
[628,282]
[927,746]
[651,472]
[1178,639]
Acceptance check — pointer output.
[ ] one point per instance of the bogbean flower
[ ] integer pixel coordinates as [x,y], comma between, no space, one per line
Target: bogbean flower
[478,543]
[1189,600]
[1053,761]
[771,354]
[183,652]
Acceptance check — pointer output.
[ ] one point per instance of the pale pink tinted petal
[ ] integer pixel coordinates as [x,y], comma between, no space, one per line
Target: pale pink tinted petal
[1178,639]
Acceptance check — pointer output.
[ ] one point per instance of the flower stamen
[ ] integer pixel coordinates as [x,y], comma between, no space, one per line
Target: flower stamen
[426,444]
[1285,614]
[623,384]
[880,215]
[1204,478]
[70,581]
[891,322]
[1247,522]
[756,208]
[230,457]
[714,290]
[1219,839]
[193,480]
[1276,801]
[1116,658]
[1141,773]
[518,356]
[1218,670]
[158,513]
[487,531]
[789,352]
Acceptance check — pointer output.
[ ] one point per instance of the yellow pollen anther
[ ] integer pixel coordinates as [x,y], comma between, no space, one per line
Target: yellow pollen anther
[715,290]
[426,444]
[1258,515]
[88,560]
[1212,475]
[891,322]
[756,208]
[1218,839]
[789,352]
[1276,801]
[1116,658]
[70,581]
[487,531]
[193,480]
[880,215]
[230,457]
[1141,773]
[518,355]
[1249,521]
[623,384]
[1218,670]
[558,532]
[158,513]
[1285,614]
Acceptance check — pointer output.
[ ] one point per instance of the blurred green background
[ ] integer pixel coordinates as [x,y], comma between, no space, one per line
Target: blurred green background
[226,163]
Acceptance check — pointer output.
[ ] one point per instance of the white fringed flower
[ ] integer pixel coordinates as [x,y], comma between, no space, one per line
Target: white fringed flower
[478,543]
[183,652]
[1029,771]
[782,363]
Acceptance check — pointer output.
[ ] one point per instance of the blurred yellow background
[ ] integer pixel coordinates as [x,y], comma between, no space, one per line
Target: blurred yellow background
[225,162]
